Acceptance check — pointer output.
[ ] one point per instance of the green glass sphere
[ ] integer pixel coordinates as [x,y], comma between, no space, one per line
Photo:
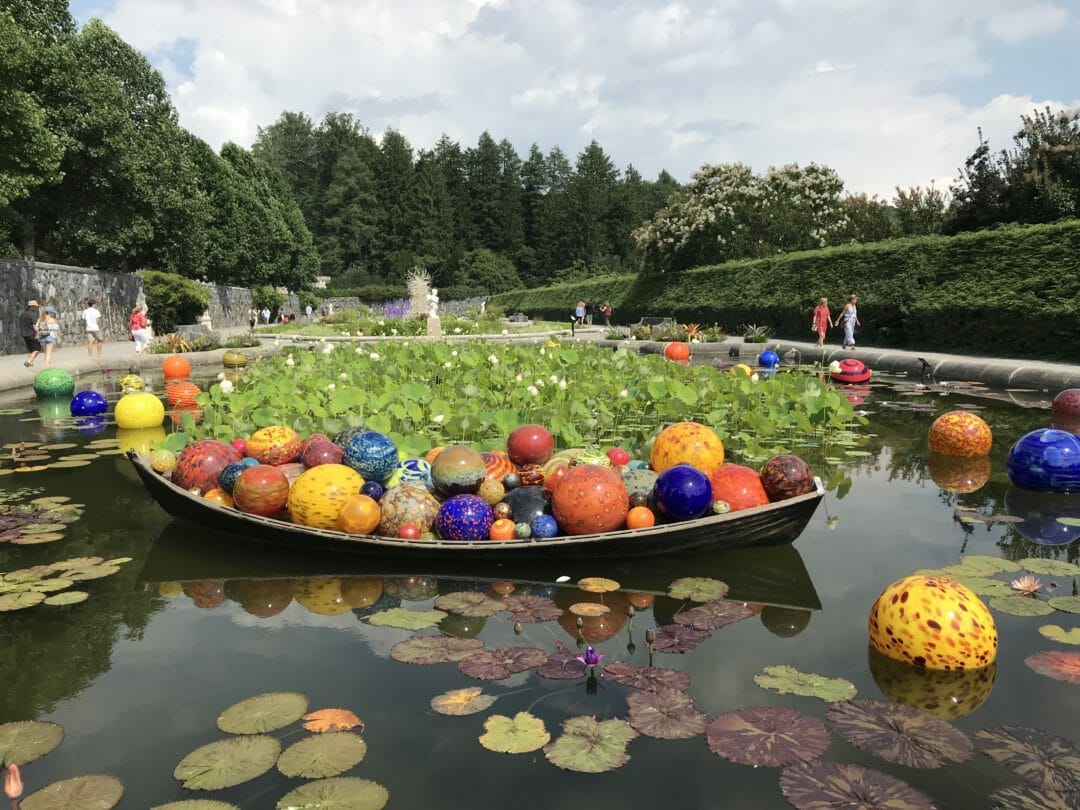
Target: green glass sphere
[54,382]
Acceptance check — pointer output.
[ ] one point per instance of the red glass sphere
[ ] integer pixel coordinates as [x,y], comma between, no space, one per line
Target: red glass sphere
[530,444]
[261,490]
[740,487]
[590,499]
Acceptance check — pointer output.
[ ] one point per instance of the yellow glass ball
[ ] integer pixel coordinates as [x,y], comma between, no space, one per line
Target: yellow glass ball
[163,461]
[321,596]
[947,694]
[139,410]
[741,369]
[131,382]
[690,443]
[960,433]
[932,622]
[141,440]
[316,498]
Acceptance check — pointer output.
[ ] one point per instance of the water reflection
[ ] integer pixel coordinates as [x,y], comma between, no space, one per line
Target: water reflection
[947,694]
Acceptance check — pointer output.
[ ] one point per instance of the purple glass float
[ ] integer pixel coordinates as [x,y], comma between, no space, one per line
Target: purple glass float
[1046,460]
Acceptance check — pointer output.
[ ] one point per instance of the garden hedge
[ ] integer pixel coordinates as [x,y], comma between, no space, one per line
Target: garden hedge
[1013,291]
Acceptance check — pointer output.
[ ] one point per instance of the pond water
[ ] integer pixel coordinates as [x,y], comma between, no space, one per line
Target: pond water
[138,673]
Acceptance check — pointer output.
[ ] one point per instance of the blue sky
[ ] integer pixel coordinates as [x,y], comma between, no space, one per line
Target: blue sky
[888,92]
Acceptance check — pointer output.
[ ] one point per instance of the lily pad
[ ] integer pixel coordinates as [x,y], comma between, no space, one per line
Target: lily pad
[790,681]
[714,615]
[196,804]
[668,714]
[649,678]
[20,601]
[26,741]
[1029,797]
[494,665]
[1060,634]
[468,603]
[589,609]
[988,564]
[821,785]
[78,562]
[1050,568]
[1061,665]
[678,639]
[262,713]
[52,585]
[1042,759]
[339,793]
[227,763]
[434,649]
[698,589]
[460,702]
[97,792]
[598,585]
[37,539]
[93,572]
[518,735]
[322,755]
[1069,604]
[67,598]
[529,609]
[562,665]
[767,735]
[898,733]
[985,586]
[588,746]
[325,720]
[1069,521]
[1021,606]
[406,619]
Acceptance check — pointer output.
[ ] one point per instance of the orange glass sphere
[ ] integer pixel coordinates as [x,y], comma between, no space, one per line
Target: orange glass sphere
[554,477]
[590,499]
[432,454]
[176,368]
[497,465]
[503,588]
[181,393]
[960,433]
[176,413]
[640,600]
[218,495]
[687,442]
[677,351]
[277,444]
[739,486]
[501,529]
[960,475]
[640,517]
[360,514]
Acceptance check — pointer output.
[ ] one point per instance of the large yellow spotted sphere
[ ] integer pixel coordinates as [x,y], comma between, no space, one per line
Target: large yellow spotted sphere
[948,694]
[687,442]
[276,445]
[933,623]
[316,498]
[139,410]
[960,433]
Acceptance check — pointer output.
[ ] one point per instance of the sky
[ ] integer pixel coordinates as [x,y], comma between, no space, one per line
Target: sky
[887,92]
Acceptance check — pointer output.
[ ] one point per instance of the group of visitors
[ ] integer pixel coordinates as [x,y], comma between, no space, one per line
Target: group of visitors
[583,313]
[39,327]
[849,317]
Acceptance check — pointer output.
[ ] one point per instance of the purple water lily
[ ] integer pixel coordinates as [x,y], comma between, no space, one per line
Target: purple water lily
[591,658]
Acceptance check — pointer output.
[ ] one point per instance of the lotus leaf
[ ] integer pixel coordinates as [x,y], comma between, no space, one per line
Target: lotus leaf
[698,589]
[67,598]
[1069,521]
[767,735]
[898,733]
[529,609]
[1069,604]
[598,585]
[1042,759]
[227,763]
[325,720]
[37,539]
[51,585]
[665,713]
[93,572]
[434,649]
[97,792]
[984,564]
[406,619]
[339,793]
[821,785]
[263,713]
[790,681]
[562,665]
[519,735]
[78,562]
[322,755]
[494,665]
[650,678]
[1021,606]
[460,702]
[20,601]
[468,603]
[1060,634]
[714,615]
[1029,797]
[678,639]
[985,586]
[26,741]
[589,609]
[196,804]
[588,746]
[1051,568]
[1061,665]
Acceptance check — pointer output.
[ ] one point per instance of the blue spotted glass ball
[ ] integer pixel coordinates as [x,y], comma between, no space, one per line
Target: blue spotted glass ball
[416,471]
[683,492]
[373,489]
[768,359]
[1046,460]
[89,403]
[464,518]
[248,461]
[373,455]
[544,526]
[343,438]
[54,382]
[231,471]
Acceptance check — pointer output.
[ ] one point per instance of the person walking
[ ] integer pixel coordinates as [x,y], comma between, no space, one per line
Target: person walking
[265,314]
[308,310]
[49,332]
[588,312]
[605,310]
[850,316]
[140,330]
[579,313]
[821,320]
[28,328]
[91,317]
[253,318]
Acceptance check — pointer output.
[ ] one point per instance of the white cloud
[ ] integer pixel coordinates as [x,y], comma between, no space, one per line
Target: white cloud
[1025,20]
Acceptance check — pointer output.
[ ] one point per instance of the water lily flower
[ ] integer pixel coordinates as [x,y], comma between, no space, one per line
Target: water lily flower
[562,383]
[13,786]
[343,376]
[532,389]
[591,658]
[518,629]
[438,418]
[453,353]
[226,386]
[493,360]
[331,387]
[650,636]
[624,394]
[1027,585]
[448,365]
[375,356]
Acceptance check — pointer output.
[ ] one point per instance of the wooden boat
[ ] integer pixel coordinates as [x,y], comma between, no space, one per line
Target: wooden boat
[779,522]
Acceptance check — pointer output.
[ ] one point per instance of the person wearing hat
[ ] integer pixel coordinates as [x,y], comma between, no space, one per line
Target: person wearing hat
[28,329]
[48,328]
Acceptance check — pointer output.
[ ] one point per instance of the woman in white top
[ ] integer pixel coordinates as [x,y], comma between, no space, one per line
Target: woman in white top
[48,332]
[850,317]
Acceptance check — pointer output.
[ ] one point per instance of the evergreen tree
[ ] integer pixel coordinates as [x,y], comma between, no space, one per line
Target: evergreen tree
[978,195]
[591,192]
[395,189]
[434,238]
[451,163]
[556,250]
[350,214]
[289,145]
[534,186]
[511,228]
[483,167]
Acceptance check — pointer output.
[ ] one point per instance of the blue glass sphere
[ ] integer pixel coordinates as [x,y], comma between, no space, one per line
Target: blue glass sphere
[89,403]
[464,518]
[544,526]
[768,359]
[1040,511]
[373,489]
[373,455]
[415,471]
[248,461]
[227,479]
[1046,460]
[683,492]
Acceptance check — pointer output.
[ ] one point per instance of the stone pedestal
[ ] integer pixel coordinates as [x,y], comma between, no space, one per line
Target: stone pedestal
[434,327]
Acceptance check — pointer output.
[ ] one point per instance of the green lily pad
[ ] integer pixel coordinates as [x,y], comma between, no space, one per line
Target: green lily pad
[37,539]
[790,681]
[1050,568]
[340,793]
[520,735]
[461,702]
[93,572]
[588,746]
[20,601]
[96,792]
[43,528]
[985,586]
[1069,604]
[26,741]
[52,585]
[985,563]
[406,619]
[1021,606]
[468,603]
[322,755]
[263,713]
[196,804]
[698,589]
[67,598]
[227,763]
[1060,634]
[1069,521]
[78,562]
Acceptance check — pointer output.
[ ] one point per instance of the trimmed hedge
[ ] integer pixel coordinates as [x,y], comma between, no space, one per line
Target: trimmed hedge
[1011,291]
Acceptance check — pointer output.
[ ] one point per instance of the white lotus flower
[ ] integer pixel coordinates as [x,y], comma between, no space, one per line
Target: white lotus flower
[453,353]
[506,331]
[328,348]
[226,387]
[539,383]
[518,378]
[562,383]
[277,342]
[359,349]
[331,386]
[343,376]
[493,360]
[448,365]
[375,356]
[382,323]
[543,352]
[624,394]
[393,331]
[438,418]
[532,389]
[221,375]
[754,377]
[554,378]
[359,334]
[289,362]
[457,330]
[834,367]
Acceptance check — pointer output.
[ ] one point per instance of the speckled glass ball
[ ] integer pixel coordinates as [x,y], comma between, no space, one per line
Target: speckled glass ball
[786,476]
[640,499]
[511,481]
[1047,460]
[274,445]
[688,443]
[343,438]
[683,492]
[162,461]
[139,410]
[200,464]
[374,455]
[497,465]
[1066,405]
[544,526]
[411,471]
[590,499]
[373,489]
[960,433]
[227,479]
[720,507]
[464,518]
[321,452]
[406,503]
[54,382]
[522,530]
[527,502]
[457,470]
[491,491]
[637,464]
[319,493]
[532,475]
[502,511]
[88,403]
[131,382]
[639,482]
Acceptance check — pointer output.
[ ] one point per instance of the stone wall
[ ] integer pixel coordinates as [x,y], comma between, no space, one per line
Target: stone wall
[228,306]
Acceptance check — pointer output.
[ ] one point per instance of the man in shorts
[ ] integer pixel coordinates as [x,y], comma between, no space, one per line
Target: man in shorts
[91,316]
[28,321]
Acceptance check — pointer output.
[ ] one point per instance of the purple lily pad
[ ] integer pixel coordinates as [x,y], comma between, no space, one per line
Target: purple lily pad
[678,639]
[666,713]
[651,678]
[897,733]
[494,665]
[824,785]
[769,736]
[434,649]
[562,665]
[1029,797]
[529,609]
[1061,665]
[714,615]
[1043,759]
[469,603]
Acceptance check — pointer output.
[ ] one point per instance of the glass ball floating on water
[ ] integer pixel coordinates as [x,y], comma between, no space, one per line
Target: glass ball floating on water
[1046,460]
[54,382]
[89,403]
[768,359]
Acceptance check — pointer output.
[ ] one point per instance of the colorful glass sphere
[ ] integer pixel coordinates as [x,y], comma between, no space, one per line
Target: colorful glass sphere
[407,503]
[314,437]
[1066,405]
[677,351]
[372,454]
[511,481]
[54,382]
[682,492]
[88,403]
[958,474]
[162,461]
[590,499]
[544,526]
[960,433]
[587,456]
[139,410]
[851,371]
[522,530]
[617,456]
[409,531]
[232,359]
[360,514]
[640,482]
[640,517]
[411,471]
[241,446]
[464,518]
[497,465]
[554,476]
[502,529]
[503,510]
[131,382]
[741,370]
[948,694]
[786,476]
[321,452]
[181,392]
[932,622]
[530,444]
[261,490]
[319,493]
[739,486]
[527,502]
[176,367]
[227,479]
[345,436]
[200,464]
[457,470]
[1047,460]
[690,443]
[491,491]
[768,359]
[277,444]
[531,475]
[218,496]
[373,489]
